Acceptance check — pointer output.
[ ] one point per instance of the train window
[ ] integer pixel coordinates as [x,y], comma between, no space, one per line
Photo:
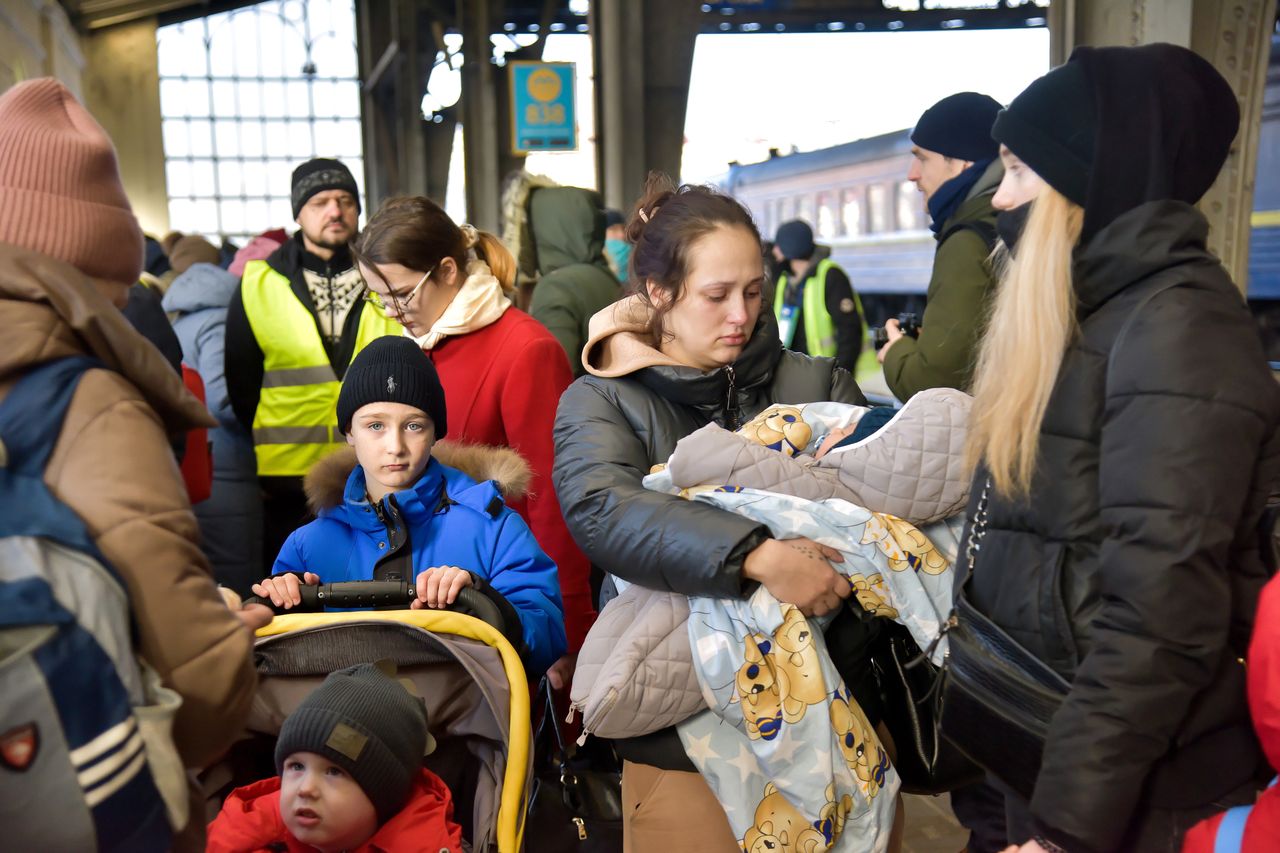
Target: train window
[910,213]
[786,209]
[828,215]
[804,208]
[851,218]
[878,208]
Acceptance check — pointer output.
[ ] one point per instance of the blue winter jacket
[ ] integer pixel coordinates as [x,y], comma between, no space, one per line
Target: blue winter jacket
[452,521]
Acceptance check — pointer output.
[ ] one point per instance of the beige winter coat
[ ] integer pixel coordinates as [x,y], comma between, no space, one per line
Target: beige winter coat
[113,465]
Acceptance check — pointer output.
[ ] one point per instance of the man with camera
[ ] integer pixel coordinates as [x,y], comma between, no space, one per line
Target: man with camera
[955,165]
[817,309]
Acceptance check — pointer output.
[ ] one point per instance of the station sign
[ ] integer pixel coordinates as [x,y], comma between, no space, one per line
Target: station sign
[543,100]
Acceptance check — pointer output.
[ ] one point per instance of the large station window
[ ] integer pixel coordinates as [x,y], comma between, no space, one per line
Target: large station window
[247,95]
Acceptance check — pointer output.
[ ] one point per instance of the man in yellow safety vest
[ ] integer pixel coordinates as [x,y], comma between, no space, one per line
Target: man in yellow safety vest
[293,326]
[817,309]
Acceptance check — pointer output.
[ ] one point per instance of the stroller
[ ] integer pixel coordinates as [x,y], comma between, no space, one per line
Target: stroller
[462,661]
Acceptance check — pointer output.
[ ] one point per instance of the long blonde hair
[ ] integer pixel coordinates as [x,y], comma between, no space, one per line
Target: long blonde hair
[1031,325]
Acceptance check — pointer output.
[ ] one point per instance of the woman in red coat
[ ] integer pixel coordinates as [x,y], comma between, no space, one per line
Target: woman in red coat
[502,371]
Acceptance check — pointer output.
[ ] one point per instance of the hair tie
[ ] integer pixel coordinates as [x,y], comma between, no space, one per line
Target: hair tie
[469,235]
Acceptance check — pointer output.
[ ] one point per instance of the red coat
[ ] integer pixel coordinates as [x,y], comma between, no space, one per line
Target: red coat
[1262,830]
[250,821]
[502,384]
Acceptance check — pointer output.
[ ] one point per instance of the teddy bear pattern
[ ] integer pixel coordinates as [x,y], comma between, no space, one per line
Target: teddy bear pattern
[780,677]
[780,428]
[781,828]
[904,545]
[858,743]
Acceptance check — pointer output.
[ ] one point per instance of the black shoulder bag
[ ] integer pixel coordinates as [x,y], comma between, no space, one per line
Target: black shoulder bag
[997,697]
[576,802]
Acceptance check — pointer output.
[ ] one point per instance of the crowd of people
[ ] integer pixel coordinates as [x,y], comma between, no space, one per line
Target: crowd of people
[371,404]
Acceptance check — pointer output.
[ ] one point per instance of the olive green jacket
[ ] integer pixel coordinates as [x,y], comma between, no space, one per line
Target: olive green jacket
[959,291]
[568,231]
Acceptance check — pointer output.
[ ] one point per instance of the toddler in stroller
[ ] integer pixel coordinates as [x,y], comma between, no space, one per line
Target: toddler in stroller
[350,776]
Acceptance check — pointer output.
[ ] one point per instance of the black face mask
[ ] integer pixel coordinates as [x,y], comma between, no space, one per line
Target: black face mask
[1009,224]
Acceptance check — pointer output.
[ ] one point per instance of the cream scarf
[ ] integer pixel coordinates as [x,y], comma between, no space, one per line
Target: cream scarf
[480,302]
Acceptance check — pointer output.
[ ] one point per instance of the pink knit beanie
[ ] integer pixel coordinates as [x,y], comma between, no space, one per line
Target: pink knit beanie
[60,184]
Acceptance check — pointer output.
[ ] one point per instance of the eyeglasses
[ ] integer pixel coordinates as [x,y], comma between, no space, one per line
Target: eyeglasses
[397,305]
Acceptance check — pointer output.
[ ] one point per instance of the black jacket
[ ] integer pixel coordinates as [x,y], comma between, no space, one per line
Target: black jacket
[610,431]
[842,307]
[1133,570]
[244,357]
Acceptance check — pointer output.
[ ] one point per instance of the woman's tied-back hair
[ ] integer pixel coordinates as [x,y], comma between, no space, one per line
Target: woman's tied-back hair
[416,233]
[663,227]
[1031,325]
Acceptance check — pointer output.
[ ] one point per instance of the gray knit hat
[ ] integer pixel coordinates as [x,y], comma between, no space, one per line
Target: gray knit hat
[367,723]
[318,175]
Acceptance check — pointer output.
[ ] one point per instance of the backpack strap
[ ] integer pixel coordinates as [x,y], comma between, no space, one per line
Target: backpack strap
[981,227]
[30,420]
[1230,837]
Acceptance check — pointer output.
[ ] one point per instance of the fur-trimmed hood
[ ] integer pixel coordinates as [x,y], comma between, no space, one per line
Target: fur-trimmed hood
[327,479]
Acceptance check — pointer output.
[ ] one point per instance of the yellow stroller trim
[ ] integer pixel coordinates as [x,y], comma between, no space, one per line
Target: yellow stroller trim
[511,805]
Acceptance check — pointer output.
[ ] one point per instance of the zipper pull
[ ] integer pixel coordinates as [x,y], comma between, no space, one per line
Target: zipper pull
[582,828]
[732,413]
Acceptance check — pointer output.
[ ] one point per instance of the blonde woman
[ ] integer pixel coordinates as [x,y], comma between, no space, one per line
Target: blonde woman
[1124,425]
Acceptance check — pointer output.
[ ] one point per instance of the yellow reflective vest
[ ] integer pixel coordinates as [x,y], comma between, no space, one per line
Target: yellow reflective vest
[296,423]
[819,329]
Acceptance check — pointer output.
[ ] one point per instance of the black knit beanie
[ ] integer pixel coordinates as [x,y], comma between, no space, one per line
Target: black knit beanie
[795,240]
[959,126]
[392,369]
[367,723]
[1051,127]
[318,175]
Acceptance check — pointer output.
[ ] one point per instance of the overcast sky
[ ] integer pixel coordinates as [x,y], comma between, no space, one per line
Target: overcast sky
[751,92]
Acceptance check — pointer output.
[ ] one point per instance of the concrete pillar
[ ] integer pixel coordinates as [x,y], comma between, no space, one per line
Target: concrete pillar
[643,52]
[1235,35]
[404,154]
[122,90]
[480,116]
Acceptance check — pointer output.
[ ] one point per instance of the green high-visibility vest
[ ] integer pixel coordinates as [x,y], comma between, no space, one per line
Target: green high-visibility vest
[819,328]
[296,423]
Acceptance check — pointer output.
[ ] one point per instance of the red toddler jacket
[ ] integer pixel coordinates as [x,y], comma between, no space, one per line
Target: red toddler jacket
[250,821]
[1262,830]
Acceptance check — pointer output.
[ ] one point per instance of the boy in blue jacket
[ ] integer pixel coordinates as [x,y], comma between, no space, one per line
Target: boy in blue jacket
[404,514]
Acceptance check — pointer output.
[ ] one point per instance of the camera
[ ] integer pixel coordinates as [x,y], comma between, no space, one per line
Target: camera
[908,323]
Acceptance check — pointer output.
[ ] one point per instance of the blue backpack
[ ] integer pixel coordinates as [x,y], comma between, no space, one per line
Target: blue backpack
[85,744]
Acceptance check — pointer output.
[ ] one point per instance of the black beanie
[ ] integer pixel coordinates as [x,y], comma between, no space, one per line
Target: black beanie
[959,126]
[1051,127]
[367,723]
[795,240]
[318,175]
[392,369]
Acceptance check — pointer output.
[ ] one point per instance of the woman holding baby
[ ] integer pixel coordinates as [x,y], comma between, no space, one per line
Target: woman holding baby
[691,347]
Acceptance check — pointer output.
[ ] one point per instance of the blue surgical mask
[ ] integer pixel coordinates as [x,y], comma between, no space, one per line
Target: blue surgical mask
[620,253]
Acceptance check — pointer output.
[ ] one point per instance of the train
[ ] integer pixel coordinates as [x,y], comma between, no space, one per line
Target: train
[862,207]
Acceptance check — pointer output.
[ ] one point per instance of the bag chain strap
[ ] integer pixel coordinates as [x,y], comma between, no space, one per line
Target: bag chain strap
[979,528]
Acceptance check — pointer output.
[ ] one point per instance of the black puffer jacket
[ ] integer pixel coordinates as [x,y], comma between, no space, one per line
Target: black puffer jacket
[610,430]
[1134,568]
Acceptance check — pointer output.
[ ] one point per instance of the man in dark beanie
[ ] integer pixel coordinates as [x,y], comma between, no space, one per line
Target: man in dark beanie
[818,312]
[293,326]
[954,164]
[349,760]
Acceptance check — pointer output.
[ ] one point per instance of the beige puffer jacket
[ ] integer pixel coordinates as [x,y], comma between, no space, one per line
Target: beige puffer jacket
[113,465]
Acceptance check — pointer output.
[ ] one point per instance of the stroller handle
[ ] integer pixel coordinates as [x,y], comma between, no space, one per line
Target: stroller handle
[386,595]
